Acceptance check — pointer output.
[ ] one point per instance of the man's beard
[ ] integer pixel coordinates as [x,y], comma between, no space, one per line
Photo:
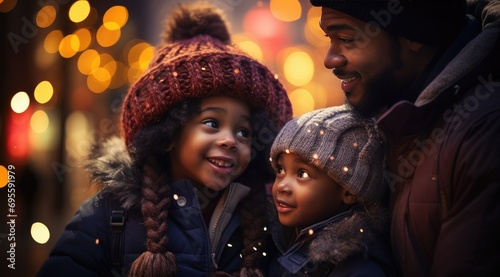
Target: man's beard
[380,94]
[383,90]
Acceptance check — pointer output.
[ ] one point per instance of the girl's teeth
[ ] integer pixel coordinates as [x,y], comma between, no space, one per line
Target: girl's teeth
[221,163]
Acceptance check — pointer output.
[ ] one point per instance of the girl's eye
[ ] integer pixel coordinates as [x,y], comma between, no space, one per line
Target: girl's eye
[243,133]
[211,123]
[303,174]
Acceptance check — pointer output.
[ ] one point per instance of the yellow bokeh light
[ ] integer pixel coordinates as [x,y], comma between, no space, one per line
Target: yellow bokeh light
[133,74]
[119,77]
[20,102]
[106,37]
[252,48]
[39,122]
[46,16]
[52,41]
[40,233]
[312,31]
[298,68]
[145,57]
[79,11]
[111,67]
[115,17]
[89,61]
[84,37]
[285,10]
[44,92]
[69,46]
[99,80]
[4,176]
[135,52]
[302,102]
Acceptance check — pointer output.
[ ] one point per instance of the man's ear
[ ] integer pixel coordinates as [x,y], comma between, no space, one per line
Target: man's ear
[348,198]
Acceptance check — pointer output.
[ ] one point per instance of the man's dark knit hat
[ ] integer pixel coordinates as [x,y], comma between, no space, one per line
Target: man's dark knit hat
[197,60]
[432,22]
[347,147]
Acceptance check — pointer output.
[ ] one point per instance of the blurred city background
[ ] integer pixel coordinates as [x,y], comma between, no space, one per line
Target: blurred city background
[65,68]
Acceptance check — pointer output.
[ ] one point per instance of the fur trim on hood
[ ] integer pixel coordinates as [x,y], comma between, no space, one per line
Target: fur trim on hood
[110,167]
[351,235]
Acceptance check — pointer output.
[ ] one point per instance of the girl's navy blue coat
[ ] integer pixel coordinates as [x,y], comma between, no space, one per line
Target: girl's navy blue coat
[84,249]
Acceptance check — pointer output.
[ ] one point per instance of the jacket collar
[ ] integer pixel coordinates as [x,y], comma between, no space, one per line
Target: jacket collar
[457,67]
[335,239]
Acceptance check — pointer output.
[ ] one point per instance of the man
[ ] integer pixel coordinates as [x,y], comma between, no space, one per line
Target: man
[430,74]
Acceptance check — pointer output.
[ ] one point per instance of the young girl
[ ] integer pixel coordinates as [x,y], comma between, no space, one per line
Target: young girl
[184,190]
[328,189]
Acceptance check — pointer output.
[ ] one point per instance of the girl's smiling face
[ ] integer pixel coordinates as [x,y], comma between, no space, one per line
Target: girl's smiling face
[214,147]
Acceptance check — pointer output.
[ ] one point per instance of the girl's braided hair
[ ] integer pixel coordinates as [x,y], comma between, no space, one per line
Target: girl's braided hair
[195,61]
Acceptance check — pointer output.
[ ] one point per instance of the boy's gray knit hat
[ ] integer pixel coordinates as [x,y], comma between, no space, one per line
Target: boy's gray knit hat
[341,143]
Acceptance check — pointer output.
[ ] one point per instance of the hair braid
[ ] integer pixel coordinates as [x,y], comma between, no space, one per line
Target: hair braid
[156,261]
[253,221]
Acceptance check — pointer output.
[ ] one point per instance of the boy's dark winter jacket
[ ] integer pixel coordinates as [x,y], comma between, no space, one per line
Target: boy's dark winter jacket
[349,244]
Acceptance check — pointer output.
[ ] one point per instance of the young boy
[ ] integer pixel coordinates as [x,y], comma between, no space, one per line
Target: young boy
[329,185]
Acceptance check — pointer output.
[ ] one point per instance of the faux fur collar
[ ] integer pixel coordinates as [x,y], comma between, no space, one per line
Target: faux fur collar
[336,239]
[110,167]
[351,235]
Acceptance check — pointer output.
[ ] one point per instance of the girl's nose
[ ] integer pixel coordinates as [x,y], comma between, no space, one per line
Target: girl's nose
[226,139]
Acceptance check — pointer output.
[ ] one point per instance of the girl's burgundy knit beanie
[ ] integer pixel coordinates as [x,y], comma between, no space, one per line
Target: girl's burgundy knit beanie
[195,61]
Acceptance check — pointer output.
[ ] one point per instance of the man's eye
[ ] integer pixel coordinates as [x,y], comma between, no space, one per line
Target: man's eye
[346,40]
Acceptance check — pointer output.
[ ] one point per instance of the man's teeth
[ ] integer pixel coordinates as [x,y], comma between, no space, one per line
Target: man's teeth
[346,81]
[220,163]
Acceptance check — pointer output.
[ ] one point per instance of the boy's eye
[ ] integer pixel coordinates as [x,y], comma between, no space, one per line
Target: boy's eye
[280,170]
[211,123]
[303,174]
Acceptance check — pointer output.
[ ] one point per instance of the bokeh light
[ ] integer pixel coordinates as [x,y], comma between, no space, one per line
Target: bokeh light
[20,102]
[298,68]
[39,122]
[252,49]
[99,80]
[286,10]
[43,92]
[46,16]
[40,233]
[115,17]
[302,102]
[107,37]
[69,46]
[79,11]
[52,41]
[84,37]
[7,5]
[312,32]
[89,61]
[4,176]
